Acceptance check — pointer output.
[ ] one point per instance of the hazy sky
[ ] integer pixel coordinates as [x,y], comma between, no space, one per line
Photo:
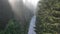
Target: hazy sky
[33,2]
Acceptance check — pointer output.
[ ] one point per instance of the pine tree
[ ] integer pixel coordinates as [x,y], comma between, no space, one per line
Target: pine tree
[13,27]
[48,17]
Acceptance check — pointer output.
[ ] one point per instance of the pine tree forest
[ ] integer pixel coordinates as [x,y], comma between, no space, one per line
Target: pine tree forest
[48,17]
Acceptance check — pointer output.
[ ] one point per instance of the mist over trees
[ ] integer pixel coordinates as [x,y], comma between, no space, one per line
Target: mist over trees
[23,15]
[19,12]
[6,13]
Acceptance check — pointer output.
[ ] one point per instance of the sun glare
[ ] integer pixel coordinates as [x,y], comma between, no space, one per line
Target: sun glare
[33,2]
[10,0]
[24,1]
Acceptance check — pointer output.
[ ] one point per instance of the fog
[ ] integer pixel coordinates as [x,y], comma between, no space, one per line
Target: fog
[24,10]
[21,10]
[31,4]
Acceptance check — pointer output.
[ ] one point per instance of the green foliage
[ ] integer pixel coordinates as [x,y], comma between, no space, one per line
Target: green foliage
[13,27]
[48,17]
